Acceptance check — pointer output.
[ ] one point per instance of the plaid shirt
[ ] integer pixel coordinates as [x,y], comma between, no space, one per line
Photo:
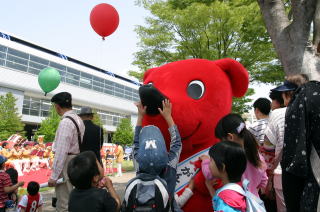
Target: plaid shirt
[66,141]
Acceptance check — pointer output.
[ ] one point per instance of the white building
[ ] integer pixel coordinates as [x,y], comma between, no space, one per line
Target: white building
[110,94]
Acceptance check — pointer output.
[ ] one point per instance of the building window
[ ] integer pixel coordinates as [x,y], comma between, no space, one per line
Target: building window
[22,61]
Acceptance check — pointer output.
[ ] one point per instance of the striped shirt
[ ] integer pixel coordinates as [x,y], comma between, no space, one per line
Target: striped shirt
[275,132]
[258,128]
[5,181]
[66,141]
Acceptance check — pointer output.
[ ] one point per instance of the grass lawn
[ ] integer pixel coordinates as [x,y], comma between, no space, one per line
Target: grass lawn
[127,165]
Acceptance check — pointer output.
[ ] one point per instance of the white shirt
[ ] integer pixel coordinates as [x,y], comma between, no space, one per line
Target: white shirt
[275,132]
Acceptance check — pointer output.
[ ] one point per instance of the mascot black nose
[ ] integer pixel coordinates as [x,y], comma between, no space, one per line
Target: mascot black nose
[151,97]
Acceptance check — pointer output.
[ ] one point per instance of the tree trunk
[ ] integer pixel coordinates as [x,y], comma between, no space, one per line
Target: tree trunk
[291,39]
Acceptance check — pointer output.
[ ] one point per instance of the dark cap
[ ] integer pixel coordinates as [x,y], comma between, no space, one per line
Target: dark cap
[63,99]
[286,86]
[85,111]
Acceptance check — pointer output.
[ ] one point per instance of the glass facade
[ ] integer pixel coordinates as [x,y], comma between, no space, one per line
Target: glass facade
[39,107]
[22,61]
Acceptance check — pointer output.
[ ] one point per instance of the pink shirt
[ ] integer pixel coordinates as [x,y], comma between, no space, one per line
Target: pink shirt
[257,176]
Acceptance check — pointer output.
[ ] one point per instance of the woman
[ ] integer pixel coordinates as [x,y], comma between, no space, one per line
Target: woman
[302,133]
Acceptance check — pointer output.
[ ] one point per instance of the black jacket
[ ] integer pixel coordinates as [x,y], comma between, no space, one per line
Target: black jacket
[92,138]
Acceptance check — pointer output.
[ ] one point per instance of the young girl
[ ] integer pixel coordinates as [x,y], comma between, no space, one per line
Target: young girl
[228,162]
[232,127]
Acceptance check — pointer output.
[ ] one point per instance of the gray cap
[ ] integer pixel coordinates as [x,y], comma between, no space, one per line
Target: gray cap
[85,111]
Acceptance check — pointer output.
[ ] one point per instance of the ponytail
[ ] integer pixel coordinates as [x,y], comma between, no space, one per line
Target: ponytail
[233,123]
[251,147]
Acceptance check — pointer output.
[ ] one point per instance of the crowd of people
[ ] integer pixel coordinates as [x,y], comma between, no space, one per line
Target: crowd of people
[270,165]
[28,156]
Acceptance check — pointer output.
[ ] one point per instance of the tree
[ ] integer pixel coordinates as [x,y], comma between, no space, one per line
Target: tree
[241,105]
[182,29]
[10,120]
[289,25]
[49,126]
[124,132]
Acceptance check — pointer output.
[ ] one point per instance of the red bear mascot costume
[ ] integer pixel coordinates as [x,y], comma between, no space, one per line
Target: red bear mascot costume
[201,93]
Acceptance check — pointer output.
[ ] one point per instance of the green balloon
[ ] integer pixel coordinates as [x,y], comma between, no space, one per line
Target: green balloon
[49,79]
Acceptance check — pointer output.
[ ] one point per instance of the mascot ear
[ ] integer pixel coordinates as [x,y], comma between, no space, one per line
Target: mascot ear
[238,75]
[147,73]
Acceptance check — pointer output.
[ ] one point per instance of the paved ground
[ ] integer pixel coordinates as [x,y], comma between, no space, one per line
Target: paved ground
[118,182]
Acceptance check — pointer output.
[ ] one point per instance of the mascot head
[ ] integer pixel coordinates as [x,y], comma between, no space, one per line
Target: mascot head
[201,93]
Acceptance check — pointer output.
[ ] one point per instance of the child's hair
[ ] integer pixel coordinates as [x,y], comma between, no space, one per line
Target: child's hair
[230,155]
[4,144]
[82,169]
[33,188]
[276,95]
[263,104]
[233,123]
[13,173]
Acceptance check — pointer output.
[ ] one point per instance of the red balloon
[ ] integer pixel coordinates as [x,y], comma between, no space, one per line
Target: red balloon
[104,19]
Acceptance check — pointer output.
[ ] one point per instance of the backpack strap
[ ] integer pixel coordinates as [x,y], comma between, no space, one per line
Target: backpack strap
[315,165]
[158,182]
[164,192]
[78,130]
[234,187]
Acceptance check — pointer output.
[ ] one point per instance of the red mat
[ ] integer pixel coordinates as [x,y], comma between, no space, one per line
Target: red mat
[43,175]
[40,176]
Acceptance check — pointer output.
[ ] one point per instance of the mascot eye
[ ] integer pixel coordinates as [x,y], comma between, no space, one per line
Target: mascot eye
[195,89]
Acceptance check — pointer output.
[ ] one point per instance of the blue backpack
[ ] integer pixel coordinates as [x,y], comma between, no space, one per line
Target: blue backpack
[254,203]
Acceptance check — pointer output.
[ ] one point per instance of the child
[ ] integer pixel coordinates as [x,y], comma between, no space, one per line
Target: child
[227,162]
[109,163]
[232,128]
[6,186]
[85,172]
[33,201]
[153,158]
[175,145]
[13,173]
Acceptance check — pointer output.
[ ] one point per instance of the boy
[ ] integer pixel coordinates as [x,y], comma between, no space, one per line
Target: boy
[164,163]
[6,186]
[33,201]
[85,172]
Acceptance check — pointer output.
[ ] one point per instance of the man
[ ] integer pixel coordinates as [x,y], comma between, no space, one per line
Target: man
[66,145]
[262,108]
[93,134]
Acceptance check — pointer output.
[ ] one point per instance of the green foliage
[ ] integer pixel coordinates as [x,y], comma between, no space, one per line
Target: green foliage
[10,120]
[241,105]
[124,132]
[96,119]
[49,126]
[206,29]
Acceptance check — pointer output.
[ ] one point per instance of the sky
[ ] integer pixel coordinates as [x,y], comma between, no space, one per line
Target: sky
[64,26]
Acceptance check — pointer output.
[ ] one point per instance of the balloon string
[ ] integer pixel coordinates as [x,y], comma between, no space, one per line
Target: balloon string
[45,94]
[103,38]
